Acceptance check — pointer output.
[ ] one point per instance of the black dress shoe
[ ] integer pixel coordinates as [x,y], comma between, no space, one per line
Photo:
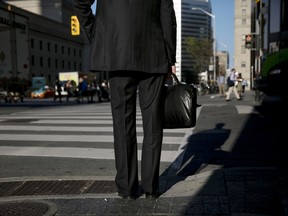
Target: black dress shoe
[130,197]
[152,196]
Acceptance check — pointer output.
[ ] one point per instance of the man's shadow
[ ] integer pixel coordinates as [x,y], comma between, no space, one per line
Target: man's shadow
[203,148]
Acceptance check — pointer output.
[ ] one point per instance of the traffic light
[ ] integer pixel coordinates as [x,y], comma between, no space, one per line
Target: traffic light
[249,41]
[75,26]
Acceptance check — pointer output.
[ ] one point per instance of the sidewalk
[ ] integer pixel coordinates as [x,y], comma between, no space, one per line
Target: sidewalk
[240,184]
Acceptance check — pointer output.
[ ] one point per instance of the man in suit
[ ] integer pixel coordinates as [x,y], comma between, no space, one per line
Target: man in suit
[136,42]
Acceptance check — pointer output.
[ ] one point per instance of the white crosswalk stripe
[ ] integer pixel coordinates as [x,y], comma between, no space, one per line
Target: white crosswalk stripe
[78,124]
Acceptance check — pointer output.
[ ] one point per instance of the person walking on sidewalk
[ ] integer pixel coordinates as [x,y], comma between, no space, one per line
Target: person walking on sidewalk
[239,81]
[135,41]
[221,84]
[58,88]
[232,87]
[244,84]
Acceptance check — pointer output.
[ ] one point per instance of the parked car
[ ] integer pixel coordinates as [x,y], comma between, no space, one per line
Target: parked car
[44,92]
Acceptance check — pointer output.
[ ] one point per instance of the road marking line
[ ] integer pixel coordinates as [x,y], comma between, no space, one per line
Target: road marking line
[242,109]
[74,128]
[75,138]
[87,153]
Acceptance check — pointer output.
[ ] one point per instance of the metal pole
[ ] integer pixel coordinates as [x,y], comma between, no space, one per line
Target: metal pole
[214,52]
[214,38]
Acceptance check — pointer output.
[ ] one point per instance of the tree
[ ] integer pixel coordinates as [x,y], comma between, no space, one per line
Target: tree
[200,51]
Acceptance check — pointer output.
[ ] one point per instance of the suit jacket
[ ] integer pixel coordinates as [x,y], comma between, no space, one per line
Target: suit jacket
[136,35]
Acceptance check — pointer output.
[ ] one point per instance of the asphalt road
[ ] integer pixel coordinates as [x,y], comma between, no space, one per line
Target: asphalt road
[42,138]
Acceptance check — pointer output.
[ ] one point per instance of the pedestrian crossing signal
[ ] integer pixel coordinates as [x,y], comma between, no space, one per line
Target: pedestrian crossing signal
[249,41]
[75,26]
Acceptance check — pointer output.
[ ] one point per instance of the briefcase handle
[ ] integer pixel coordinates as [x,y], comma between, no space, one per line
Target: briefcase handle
[175,78]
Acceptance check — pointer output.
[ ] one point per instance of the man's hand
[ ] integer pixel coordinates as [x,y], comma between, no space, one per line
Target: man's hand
[173,69]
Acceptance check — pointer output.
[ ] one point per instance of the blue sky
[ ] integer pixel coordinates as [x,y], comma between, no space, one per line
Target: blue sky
[224,19]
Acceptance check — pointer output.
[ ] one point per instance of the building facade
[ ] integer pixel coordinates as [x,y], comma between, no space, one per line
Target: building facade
[222,62]
[270,59]
[191,23]
[242,27]
[41,45]
[37,46]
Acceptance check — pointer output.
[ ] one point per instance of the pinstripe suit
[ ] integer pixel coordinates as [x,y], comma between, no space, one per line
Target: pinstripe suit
[135,40]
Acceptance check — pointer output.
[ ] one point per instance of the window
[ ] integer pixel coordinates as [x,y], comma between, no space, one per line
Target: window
[41,61]
[244,3]
[48,47]
[68,50]
[243,21]
[62,48]
[56,63]
[32,43]
[284,17]
[243,64]
[243,12]
[63,64]
[49,62]
[40,45]
[56,48]
[32,60]
[275,16]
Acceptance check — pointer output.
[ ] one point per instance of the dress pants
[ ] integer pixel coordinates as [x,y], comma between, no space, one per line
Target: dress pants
[230,89]
[124,86]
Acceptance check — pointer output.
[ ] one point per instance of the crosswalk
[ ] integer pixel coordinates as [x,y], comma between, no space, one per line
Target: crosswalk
[83,131]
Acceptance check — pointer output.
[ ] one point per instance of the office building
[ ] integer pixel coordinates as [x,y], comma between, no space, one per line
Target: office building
[191,23]
[242,27]
[38,42]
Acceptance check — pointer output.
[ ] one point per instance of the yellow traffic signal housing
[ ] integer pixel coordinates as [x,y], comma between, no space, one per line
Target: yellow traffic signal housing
[75,26]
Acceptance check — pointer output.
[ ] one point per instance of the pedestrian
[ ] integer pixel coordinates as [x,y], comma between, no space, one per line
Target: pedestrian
[58,88]
[82,88]
[68,89]
[221,84]
[244,84]
[239,81]
[96,89]
[104,87]
[231,87]
[135,41]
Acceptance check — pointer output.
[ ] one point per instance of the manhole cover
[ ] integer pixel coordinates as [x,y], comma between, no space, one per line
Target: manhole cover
[26,208]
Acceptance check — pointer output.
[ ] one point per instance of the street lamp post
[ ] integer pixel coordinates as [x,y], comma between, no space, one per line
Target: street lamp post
[224,45]
[214,37]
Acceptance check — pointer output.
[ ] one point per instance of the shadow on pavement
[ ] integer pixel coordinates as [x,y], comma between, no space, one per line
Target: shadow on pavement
[254,147]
